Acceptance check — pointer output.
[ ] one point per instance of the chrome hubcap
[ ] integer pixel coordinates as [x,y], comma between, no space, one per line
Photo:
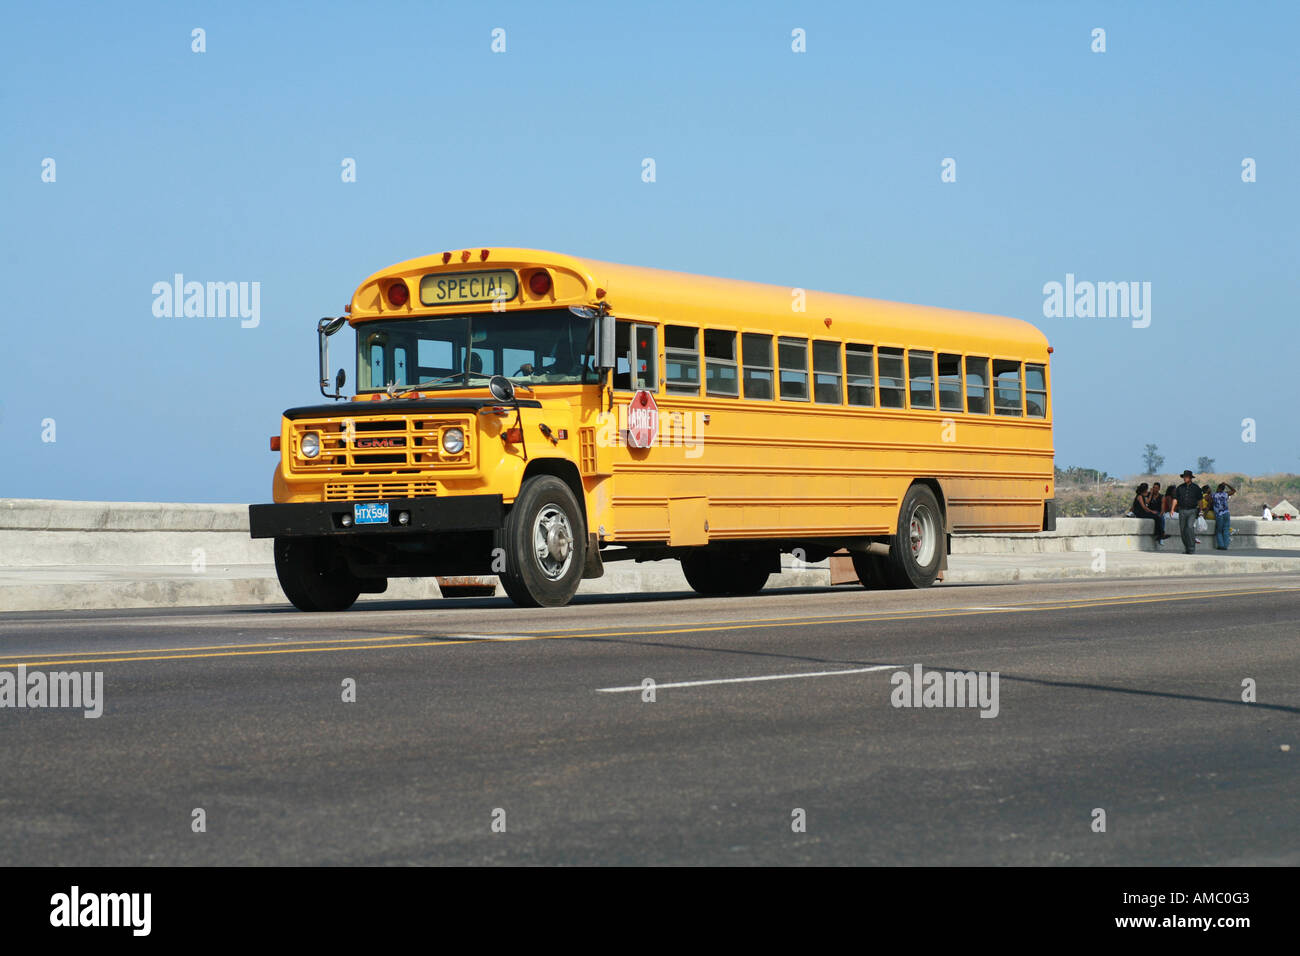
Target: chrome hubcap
[923,535]
[553,542]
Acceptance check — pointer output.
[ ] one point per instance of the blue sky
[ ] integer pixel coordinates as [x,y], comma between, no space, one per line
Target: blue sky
[818,169]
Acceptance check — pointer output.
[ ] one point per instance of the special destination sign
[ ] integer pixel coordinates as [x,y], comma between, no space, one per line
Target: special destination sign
[458,288]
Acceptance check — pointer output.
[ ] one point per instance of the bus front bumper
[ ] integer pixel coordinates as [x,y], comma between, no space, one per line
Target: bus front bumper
[320,519]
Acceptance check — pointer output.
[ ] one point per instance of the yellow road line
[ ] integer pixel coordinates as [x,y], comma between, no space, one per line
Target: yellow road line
[217,647]
[416,640]
[182,657]
[901,615]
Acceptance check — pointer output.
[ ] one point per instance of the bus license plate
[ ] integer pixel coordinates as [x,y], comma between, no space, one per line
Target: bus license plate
[371,513]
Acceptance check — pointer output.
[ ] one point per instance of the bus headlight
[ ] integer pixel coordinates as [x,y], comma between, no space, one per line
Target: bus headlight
[310,445]
[453,441]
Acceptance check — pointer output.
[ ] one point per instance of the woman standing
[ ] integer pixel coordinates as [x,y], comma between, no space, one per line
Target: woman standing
[1221,516]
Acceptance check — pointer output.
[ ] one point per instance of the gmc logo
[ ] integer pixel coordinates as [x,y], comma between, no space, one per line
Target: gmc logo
[380,443]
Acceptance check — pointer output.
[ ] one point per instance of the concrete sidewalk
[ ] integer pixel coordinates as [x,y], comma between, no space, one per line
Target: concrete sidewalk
[94,587]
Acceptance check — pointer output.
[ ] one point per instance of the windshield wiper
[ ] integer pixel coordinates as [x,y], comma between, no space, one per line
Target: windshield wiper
[394,391]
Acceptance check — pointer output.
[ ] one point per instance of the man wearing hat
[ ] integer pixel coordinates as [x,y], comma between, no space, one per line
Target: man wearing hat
[1188,496]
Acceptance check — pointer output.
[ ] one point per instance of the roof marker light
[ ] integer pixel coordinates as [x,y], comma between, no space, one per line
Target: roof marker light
[446,258]
[483,254]
[539,283]
[464,256]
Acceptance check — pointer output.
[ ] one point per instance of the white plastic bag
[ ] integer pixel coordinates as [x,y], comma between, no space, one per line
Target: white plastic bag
[1201,526]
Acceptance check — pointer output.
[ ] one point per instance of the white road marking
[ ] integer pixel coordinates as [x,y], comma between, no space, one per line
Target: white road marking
[749,680]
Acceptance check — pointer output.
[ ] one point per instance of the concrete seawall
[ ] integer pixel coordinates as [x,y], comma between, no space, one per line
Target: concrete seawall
[59,555]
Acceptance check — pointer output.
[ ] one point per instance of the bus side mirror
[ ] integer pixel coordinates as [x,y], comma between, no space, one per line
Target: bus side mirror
[324,329]
[605,342]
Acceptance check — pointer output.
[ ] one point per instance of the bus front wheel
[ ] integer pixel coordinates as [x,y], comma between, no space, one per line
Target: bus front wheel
[916,552]
[314,575]
[545,540]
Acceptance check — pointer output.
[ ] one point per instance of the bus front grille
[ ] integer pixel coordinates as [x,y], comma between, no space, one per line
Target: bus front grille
[380,447]
[378,490]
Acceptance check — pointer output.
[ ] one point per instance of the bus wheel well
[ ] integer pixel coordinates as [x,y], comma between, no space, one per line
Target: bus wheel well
[933,485]
[563,469]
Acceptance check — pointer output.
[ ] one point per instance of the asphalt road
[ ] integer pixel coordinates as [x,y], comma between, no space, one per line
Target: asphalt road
[1112,695]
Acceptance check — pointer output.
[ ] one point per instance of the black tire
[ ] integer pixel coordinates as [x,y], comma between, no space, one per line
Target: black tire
[703,572]
[872,570]
[714,573]
[748,575]
[547,507]
[916,552]
[314,575]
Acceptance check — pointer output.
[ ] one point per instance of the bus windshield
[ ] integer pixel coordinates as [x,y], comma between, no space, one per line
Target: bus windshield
[543,346]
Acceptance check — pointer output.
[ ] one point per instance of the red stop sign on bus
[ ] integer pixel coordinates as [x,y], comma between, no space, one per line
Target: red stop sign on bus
[642,420]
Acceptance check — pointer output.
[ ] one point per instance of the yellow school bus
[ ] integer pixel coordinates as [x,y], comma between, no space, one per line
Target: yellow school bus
[536,415]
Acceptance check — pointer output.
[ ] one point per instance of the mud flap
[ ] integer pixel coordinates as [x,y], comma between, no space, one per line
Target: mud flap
[593,567]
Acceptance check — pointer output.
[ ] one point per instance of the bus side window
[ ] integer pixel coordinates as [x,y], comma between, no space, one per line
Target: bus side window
[977,385]
[682,360]
[623,356]
[1035,391]
[892,382]
[1006,388]
[920,368]
[859,374]
[826,372]
[793,356]
[950,383]
[646,357]
[637,357]
[756,354]
[720,363]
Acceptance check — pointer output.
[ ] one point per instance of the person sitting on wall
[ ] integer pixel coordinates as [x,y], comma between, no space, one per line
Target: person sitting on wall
[1156,502]
[1141,508]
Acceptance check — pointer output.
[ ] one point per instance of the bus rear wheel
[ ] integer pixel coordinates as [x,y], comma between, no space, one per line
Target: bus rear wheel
[314,575]
[713,574]
[916,552]
[872,570]
[545,542]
